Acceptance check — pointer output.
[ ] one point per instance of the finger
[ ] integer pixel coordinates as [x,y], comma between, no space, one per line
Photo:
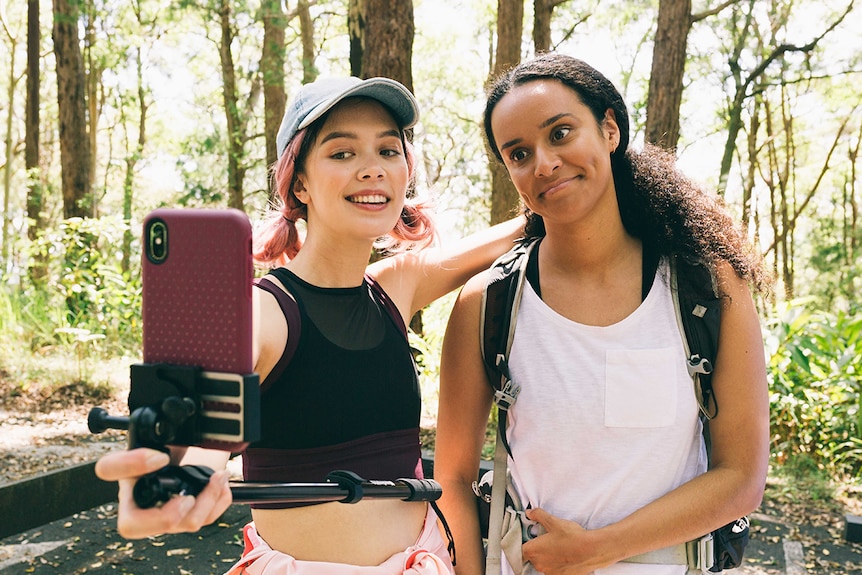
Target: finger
[132,463]
[136,523]
[210,503]
[540,516]
[182,514]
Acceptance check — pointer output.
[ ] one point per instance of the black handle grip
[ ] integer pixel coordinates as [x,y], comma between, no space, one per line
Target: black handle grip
[159,486]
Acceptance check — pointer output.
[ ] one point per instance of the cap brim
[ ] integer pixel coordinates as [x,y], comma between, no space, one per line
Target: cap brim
[393,95]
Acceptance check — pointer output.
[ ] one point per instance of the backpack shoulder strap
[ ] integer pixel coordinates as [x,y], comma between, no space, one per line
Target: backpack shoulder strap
[698,310]
[500,302]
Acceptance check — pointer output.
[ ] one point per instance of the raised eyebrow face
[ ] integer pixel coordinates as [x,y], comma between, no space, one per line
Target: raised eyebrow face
[548,122]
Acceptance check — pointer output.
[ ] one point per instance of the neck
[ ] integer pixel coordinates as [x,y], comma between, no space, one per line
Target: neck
[327,264]
[590,247]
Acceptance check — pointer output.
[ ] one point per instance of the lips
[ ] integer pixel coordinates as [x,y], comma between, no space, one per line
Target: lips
[557,185]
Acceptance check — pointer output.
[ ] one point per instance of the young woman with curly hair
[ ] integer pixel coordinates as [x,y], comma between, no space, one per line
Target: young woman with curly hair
[607,453]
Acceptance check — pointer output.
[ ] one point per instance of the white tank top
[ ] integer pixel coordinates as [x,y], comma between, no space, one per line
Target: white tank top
[606,420]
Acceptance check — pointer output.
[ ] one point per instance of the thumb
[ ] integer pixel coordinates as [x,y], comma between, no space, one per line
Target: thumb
[540,516]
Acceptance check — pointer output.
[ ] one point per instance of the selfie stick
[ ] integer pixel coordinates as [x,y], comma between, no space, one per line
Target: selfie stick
[149,428]
[340,486]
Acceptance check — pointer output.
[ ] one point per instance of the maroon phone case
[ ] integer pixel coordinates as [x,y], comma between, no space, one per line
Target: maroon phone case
[197,300]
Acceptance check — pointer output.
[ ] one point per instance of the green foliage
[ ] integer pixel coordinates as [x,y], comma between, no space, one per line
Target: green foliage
[815,369]
[836,272]
[86,290]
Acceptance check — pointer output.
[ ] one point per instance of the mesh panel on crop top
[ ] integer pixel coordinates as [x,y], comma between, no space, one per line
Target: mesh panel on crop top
[347,317]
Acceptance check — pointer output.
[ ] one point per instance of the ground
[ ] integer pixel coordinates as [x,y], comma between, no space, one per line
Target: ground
[46,430]
[43,430]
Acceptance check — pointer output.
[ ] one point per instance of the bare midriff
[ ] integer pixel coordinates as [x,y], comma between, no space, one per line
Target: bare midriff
[364,533]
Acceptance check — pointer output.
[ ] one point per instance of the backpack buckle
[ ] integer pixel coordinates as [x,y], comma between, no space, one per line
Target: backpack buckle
[505,397]
[700,554]
[698,365]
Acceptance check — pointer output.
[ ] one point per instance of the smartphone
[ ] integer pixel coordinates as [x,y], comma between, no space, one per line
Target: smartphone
[197,274]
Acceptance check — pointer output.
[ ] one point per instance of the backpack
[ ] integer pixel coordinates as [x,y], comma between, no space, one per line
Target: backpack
[698,311]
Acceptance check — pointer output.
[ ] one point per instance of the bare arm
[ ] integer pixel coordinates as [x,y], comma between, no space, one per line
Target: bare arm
[465,402]
[731,488]
[413,280]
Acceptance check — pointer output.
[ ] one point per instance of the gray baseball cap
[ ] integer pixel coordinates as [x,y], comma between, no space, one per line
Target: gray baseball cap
[315,99]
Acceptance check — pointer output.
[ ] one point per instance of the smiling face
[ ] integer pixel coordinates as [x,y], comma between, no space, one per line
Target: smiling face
[355,175]
[555,151]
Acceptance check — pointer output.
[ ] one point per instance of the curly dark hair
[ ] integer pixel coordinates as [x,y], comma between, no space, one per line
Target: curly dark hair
[658,203]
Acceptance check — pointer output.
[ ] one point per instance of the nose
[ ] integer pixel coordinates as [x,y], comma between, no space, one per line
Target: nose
[371,171]
[547,161]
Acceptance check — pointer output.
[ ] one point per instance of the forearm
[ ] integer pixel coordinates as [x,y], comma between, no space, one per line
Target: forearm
[684,514]
[448,267]
[458,505]
[689,512]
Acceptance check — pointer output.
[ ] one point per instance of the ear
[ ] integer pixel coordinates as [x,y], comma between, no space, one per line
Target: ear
[611,130]
[299,189]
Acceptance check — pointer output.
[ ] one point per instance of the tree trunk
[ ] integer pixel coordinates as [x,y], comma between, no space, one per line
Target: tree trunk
[10,152]
[668,69]
[306,33]
[381,39]
[510,25]
[74,143]
[133,157]
[93,77]
[235,152]
[38,267]
[543,12]
[272,69]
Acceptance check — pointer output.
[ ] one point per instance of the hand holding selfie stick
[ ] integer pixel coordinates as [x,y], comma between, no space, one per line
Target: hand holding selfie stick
[193,407]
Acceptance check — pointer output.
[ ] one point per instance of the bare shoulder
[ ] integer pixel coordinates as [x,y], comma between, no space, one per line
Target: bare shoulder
[734,287]
[271,329]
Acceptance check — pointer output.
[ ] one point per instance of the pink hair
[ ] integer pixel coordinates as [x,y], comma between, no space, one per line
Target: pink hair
[277,239]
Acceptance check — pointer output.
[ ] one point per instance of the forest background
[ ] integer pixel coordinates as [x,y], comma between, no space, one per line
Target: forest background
[111,108]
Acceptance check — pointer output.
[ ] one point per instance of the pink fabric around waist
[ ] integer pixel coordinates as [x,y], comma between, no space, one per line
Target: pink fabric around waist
[428,556]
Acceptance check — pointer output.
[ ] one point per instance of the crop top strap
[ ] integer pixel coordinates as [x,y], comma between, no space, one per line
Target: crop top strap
[387,302]
[290,309]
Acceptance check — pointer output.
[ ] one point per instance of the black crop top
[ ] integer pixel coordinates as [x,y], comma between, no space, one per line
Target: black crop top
[345,394]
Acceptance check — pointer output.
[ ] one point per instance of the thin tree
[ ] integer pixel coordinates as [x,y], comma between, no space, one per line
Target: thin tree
[306,34]
[510,27]
[135,151]
[272,62]
[74,140]
[14,78]
[272,71]
[743,82]
[543,13]
[236,119]
[38,267]
[94,67]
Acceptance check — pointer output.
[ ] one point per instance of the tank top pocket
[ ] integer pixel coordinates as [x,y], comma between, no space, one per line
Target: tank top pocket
[640,388]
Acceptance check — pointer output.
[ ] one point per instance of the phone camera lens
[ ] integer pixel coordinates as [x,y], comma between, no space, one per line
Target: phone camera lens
[157,244]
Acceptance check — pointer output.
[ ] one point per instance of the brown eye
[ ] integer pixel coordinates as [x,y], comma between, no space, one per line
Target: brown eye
[560,133]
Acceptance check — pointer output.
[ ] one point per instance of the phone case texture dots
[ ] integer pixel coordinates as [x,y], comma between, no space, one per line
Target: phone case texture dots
[197,301]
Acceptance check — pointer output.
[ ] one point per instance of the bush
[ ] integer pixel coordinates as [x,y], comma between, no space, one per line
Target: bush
[815,378]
